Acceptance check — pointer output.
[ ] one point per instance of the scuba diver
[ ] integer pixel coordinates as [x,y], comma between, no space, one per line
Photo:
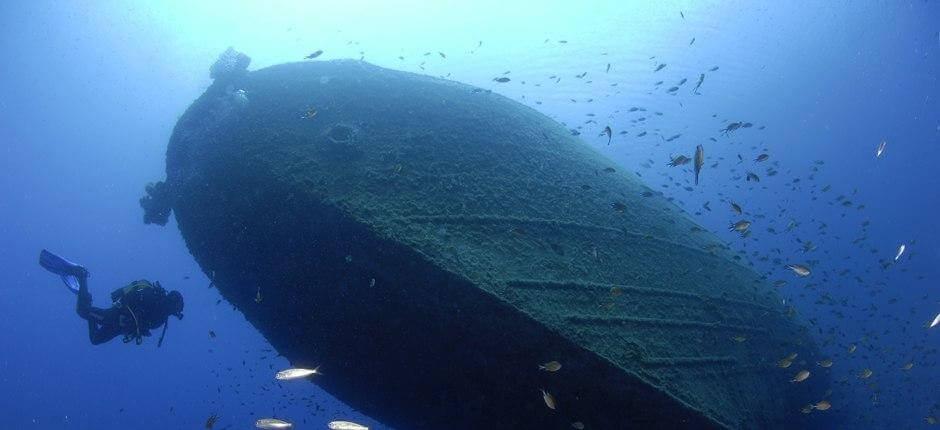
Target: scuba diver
[136,308]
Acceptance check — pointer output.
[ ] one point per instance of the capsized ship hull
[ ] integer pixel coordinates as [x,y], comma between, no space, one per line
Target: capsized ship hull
[429,244]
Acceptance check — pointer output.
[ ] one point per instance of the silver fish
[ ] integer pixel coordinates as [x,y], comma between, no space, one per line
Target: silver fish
[346,425]
[881,149]
[272,424]
[295,373]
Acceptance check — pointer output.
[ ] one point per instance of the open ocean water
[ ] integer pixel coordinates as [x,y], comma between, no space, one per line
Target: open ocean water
[791,102]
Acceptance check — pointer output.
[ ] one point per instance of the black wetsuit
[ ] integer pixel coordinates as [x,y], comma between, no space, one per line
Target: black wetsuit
[133,320]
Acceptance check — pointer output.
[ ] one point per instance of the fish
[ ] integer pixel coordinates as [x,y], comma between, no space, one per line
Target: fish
[672,89]
[679,160]
[210,422]
[852,348]
[799,269]
[784,363]
[736,208]
[865,373]
[693,41]
[739,338]
[549,399]
[806,409]
[608,68]
[699,161]
[800,376]
[881,149]
[501,80]
[296,373]
[701,78]
[752,177]
[618,206]
[792,356]
[713,69]
[730,128]
[827,363]
[822,405]
[551,366]
[741,226]
[345,425]
[607,131]
[577,425]
[908,365]
[272,423]
[309,114]
[900,251]
[211,334]
[442,55]
[762,157]
[315,54]
[936,320]
[660,67]
[683,81]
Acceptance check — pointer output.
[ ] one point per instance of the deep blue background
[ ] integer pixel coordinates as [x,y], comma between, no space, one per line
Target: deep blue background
[89,96]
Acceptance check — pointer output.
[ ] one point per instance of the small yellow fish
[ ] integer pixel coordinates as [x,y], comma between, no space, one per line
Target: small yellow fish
[865,374]
[852,348]
[272,424]
[551,366]
[800,376]
[822,405]
[549,399]
[799,269]
[296,373]
[345,425]
[739,338]
[741,226]
[827,363]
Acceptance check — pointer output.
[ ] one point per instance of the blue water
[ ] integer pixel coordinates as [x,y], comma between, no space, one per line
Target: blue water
[89,95]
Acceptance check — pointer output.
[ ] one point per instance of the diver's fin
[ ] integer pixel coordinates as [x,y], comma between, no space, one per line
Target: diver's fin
[56,264]
[71,282]
[61,267]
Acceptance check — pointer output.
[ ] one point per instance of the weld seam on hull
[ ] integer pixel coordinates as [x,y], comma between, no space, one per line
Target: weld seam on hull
[611,320]
[687,361]
[493,219]
[533,283]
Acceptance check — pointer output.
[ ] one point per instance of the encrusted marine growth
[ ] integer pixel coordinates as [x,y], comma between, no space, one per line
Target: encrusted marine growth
[230,65]
[430,244]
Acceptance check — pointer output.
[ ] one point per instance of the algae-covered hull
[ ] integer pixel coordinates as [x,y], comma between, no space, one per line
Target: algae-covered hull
[430,244]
